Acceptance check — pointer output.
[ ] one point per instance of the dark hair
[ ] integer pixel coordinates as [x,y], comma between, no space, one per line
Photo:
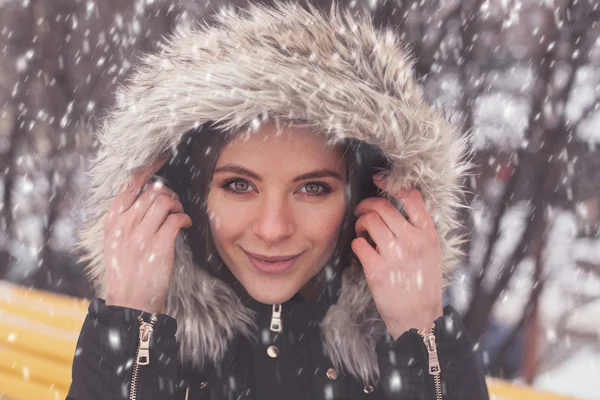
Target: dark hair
[189,173]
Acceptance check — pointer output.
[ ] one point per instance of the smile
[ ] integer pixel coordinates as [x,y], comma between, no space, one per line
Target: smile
[272,264]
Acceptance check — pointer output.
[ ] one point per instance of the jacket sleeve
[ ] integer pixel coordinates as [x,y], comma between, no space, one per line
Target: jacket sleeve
[404,364]
[105,364]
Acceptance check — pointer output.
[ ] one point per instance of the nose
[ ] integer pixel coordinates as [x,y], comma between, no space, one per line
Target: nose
[274,222]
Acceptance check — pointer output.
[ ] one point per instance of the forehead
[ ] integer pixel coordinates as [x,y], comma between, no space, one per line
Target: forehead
[283,148]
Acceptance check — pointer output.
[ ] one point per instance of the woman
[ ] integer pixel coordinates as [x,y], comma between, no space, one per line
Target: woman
[297,242]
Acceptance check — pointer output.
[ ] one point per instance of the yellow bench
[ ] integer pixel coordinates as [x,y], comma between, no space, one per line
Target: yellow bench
[38,334]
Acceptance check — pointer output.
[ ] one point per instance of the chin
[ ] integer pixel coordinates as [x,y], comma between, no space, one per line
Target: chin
[270,296]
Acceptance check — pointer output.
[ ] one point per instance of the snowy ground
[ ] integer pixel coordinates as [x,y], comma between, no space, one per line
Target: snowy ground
[578,376]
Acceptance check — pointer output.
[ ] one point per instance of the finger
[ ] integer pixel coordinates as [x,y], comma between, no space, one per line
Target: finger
[131,190]
[147,199]
[372,225]
[414,206]
[158,212]
[388,212]
[366,254]
[170,228]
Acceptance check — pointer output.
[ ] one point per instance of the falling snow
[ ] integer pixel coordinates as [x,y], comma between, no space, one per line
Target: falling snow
[516,75]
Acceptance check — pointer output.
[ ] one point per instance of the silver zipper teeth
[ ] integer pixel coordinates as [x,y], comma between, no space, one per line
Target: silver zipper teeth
[142,354]
[434,362]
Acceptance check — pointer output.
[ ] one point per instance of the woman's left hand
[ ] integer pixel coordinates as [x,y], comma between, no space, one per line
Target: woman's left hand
[404,271]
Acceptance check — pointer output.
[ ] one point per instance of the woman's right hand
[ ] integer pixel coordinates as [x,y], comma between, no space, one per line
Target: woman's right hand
[139,243]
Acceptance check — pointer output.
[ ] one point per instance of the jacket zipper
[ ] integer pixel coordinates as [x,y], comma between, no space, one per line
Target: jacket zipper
[276,325]
[142,355]
[434,362]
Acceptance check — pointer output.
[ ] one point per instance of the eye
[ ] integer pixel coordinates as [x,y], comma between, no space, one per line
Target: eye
[315,189]
[238,186]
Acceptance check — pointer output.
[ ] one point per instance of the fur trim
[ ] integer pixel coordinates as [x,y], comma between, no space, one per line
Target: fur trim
[335,71]
[352,327]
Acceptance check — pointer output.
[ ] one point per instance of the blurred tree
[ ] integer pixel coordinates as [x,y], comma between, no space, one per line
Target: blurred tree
[59,67]
[512,72]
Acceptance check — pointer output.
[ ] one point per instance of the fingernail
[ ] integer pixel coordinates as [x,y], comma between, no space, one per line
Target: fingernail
[379,176]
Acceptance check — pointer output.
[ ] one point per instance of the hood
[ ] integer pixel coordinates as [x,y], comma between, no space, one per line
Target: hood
[350,80]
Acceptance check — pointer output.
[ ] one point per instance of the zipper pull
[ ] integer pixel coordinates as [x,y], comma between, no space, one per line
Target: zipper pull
[146,329]
[434,363]
[276,319]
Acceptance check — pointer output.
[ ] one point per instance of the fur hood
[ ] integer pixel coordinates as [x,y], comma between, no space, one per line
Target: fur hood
[330,68]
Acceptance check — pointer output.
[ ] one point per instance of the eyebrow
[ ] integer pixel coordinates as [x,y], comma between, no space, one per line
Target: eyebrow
[321,173]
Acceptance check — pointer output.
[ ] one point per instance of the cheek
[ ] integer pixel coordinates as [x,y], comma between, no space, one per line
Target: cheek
[227,225]
[322,225]
[225,220]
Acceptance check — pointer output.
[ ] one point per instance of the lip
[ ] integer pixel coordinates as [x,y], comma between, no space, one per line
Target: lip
[272,264]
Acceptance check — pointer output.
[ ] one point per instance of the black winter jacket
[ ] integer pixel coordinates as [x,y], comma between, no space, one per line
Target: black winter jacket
[291,365]
[345,79]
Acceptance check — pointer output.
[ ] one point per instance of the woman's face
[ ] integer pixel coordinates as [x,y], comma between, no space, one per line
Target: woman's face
[276,205]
